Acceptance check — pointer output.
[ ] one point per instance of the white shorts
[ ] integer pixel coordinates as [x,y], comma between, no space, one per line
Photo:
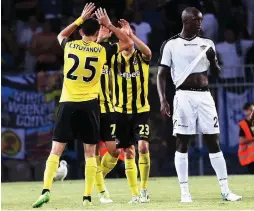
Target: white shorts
[194,113]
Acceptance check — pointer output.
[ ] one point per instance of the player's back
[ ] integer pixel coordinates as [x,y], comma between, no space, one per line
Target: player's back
[83,64]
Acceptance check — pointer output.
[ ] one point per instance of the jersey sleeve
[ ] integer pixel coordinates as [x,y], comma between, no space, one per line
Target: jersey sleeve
[165,54]
[111,49]
[64,42]
[213,46]
[143,59]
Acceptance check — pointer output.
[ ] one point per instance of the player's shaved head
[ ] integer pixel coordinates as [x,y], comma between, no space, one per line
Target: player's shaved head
[192,20]
[189,12]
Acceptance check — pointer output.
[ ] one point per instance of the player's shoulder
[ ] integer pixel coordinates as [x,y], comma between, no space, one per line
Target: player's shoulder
[105,44]
[171,39]
[206,39]
[167,43]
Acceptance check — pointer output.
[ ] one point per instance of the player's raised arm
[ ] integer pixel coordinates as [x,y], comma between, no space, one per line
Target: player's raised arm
[125,41]
[66,32]
[104,34]
[145,50]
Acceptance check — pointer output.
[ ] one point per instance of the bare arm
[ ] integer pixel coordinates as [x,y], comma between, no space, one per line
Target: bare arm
[125,40]
[65,33]
[145,50]
[161,82]
[161,87]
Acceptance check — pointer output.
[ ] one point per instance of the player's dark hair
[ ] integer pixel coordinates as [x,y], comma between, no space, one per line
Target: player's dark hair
[90,26]
[247,106]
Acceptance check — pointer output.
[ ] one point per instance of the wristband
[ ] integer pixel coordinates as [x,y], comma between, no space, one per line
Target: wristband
[79,21]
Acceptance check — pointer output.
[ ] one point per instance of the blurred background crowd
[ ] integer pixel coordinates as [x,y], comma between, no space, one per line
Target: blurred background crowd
[30,28]
[29,45]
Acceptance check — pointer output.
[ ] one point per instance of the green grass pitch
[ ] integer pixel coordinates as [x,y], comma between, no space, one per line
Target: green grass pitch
[164,194]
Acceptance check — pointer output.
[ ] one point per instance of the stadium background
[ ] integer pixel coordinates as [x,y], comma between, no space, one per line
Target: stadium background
[31,64]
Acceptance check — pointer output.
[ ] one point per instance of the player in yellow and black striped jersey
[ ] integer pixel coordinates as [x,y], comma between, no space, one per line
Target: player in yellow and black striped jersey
[78,115]
[107,125]
[130,74]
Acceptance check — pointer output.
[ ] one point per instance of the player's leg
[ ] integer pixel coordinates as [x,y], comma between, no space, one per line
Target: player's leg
[184,123]
[209,126]
[108,133]
[87,129]
[142,132]
[50,172]
[132,173]
[144,169]
[90,172]
[181,165]
[99,179]
[62,134]
[110,159]
[125,137]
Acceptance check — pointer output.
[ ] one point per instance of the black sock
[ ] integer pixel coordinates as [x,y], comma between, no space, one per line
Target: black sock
[44,191]
[87,198]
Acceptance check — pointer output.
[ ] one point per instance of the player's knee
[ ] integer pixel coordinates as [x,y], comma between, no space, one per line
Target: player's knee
[212,141]
[57,148]
[130,152]
[182,143]
[90,150]
[114,152]
[143,147]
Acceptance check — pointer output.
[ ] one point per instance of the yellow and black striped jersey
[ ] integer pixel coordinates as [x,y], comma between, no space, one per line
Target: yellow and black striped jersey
[83,64]
[105,97]
[131,76]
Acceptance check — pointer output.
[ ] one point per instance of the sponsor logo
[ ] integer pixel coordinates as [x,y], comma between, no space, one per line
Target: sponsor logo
[190,44]
[105,71]
[203,47]
[129,75]
[135,61]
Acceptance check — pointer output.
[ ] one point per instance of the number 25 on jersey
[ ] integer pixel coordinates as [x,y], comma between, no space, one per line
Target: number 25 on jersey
[89,65]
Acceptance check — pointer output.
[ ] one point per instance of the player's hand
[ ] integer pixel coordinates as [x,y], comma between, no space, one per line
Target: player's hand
[125,27]
[165,108]
[210,53]
[87,11]
[103,18]
[104,33]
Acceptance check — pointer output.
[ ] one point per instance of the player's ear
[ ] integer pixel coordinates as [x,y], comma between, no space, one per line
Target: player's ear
[96,33]
[81,32]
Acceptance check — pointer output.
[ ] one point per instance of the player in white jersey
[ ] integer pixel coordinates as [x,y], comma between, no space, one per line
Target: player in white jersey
[189,56]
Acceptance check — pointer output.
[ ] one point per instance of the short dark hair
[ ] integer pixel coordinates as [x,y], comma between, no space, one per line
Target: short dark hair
[90,26]
[247,106]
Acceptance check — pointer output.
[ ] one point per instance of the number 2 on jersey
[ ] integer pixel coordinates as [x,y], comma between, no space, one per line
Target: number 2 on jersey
[88,66]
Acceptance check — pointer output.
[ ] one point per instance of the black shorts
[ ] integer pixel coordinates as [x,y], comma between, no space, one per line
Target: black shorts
[107,126]
[131,128]
[78,120]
